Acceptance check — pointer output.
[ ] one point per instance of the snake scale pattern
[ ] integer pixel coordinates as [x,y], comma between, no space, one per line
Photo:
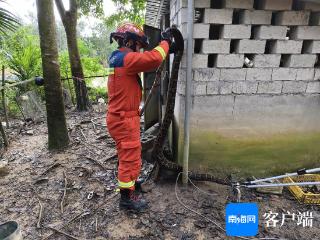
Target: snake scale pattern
[158,154]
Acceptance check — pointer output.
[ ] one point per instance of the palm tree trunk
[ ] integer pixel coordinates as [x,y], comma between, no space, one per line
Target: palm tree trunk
[56,120]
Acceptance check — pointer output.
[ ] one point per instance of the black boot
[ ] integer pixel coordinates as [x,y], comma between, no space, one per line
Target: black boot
[130,201]
[137,185]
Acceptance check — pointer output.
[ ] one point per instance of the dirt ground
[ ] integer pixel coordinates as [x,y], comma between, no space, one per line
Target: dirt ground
[74,189]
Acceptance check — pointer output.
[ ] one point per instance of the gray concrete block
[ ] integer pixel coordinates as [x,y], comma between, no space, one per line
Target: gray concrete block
[266,60]
[286,46]
[300,60]
[199,88]
[311,46]
[198,61]
[219,87]
[250,46]
[255,17]
[294,87]
[313,87]
[238,4]
[200,31]
[197,3]
[218,16]
[310,6]
[181,88]
[236,32]
[259,74]
[216,46]
[270,32]
[316,74]
[273,87]
[244,87]
[229,60]
[306,32]
[275,5]
[182,15]
[233,74]
[284,74]
[206,74]
[292,18]
[305,74]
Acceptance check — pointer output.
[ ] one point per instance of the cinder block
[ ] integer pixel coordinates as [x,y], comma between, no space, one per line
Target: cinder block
[294,87]
[216,46]
[181,88]
[273,87]
[206,74]
[250,46]
[305,74]
[182,16]
[284,74]
[266,60]
[236,32]
[300,60]
[270,32]
[292,18]
[278,5]
[310,6]
[199,88]
[218,16]
[315,19]
[198,61]
[255,17]
[233,74]
[286,46]
[259,74]
[244,87]
[219,87]
[306,32]
[200,30]
[238,4]
[182,75]
[229,60]
[316,74]
[197,3]
[313,87]
[311,46]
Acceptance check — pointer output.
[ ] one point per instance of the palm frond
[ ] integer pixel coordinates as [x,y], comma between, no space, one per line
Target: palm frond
[8,22]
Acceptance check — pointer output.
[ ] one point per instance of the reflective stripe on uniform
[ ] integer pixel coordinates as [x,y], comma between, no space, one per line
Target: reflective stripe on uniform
[109,71]
[161,51]
[126,184]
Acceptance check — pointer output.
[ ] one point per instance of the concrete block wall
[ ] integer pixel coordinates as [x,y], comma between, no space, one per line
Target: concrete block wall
[266,51]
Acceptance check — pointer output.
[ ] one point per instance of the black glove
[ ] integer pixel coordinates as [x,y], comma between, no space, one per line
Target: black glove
[167,36]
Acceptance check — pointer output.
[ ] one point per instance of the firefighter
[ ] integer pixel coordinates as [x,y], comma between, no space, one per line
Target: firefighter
[124,93]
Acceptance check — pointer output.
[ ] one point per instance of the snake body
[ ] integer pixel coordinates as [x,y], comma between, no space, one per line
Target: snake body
[158,153]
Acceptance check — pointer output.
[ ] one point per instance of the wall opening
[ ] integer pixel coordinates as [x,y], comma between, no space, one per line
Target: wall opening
[212,59]
[199,15]
[317,64]
[215,31]
[216,4]
[248,61]
[236,17]
[234,45]
[198,45]
[285,60]
[269,46]
[306,46]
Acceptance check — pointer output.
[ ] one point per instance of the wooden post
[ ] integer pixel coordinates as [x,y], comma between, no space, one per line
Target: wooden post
[4,98]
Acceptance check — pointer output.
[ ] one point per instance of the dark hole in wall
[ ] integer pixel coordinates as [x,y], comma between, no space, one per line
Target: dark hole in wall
[253,30]
[234,45]
[257,4]
[236,17]
[199,15]
[215,31]
[284,60]
[306,46]
[314,18]
[198,45]
[269,46]
[216,4]
[289,32]
[212,59]
[317,64]
[248,61]
[297,5]
[273,18]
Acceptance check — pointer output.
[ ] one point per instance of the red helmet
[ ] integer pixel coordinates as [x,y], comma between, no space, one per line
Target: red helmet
[130,31]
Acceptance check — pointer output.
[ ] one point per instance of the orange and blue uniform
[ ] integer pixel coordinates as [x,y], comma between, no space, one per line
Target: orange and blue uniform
[124,93]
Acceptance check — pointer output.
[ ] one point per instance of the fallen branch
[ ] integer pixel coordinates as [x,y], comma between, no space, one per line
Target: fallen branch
[63,233]
[49,168]
[40,210]
[64,191]
[99,164]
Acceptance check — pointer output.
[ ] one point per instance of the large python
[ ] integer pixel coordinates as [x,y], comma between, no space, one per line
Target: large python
[158,155]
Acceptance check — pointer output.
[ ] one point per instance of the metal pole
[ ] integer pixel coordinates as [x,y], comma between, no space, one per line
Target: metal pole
[285,175]
[188,93]
[282,184]
[4,98]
